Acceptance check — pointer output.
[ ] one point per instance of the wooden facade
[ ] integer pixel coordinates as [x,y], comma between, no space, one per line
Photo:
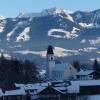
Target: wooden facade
[51,93]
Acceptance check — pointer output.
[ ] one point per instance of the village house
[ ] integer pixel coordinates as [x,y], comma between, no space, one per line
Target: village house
[51,93]
[85,75]
[10,92]
[85,89]
[65,90]
[18,94]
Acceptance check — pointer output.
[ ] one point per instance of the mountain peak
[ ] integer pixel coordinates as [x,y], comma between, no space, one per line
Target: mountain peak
[1,18]
[52,11]
[45,12]
[55,10]
[22,14]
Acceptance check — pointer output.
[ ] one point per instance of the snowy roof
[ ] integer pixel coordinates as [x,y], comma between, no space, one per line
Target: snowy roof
[1,93]
[85,72]
[42,72]
[38,86]
[29,87]
[62,89]
[19,85]
[86,82]
[94,97]
[61,67]
[59,89]
[20,91]
[55,88]
[75,87]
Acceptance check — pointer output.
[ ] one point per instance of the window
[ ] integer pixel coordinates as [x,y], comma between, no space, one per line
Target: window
[51,58]
[90,76]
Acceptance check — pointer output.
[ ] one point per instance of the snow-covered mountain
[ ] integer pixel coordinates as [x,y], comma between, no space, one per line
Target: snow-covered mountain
[75,35]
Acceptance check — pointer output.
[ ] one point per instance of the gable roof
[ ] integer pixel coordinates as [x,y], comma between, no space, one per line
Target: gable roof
[85,72]
[20,91]
[75,85]
[50,88]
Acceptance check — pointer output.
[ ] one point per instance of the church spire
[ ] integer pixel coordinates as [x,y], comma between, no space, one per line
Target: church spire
[50,62]
[50,50]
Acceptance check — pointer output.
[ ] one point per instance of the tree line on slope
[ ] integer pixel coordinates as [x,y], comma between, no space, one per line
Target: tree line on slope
[95,66]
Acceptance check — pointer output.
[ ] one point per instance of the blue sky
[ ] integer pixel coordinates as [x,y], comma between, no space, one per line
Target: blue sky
[11,8]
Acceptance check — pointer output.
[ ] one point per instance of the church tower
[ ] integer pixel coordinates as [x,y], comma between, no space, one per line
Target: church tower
[50,62]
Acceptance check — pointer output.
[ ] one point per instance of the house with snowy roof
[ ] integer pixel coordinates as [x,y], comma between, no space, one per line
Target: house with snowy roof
[85,75]
[62,90]
[52,91]
[85,89]
[11,92]
[58,71]
[17,94]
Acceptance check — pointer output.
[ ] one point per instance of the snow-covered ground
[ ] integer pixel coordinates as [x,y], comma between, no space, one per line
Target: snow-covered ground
[93,97]
[65,34]
[11,33]
[59,52]
[85,25]
[24,36]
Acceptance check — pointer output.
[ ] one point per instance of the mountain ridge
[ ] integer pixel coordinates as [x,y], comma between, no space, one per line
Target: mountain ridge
[74,34]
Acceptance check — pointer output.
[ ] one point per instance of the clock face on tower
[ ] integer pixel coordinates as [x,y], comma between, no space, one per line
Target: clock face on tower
[50,57]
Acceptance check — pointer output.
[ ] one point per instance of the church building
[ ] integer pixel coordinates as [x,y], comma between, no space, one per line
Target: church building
[58,71]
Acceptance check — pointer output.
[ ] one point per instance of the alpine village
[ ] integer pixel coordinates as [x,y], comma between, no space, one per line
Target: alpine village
[59,81]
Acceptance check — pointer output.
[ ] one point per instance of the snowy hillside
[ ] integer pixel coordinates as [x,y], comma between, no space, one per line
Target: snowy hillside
[75,35]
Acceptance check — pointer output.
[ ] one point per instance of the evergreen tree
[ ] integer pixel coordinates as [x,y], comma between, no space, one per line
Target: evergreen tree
[13,70]
[2,56]
[77,65]
[50,50]
[29,71]
[96,66]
